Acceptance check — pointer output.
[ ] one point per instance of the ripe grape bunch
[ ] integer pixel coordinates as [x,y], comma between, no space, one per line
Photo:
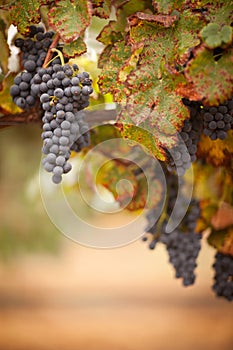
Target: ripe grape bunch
[183,243]
[223,267]
[218,120]
[184,153]
[34,50]
[63,93]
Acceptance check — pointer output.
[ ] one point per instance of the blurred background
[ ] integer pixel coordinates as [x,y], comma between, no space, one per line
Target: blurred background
[56,294]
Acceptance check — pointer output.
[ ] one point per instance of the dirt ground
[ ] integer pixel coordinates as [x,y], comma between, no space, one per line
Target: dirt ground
[121,299]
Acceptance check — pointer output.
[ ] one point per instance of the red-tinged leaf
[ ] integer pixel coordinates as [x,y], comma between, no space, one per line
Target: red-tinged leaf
[148,195]
[117,30]
[131,63]
[110,176]
[223,217]
[204,71]
[101,8]
[108,77]
[218,152]
[23,13]
[141,136]
[145,80]
[222,240]
[186,35]
[75,48]
[165,20]
[104,57]
[159,104]
[110,34]
[70,18]
[210,185]
[139,199]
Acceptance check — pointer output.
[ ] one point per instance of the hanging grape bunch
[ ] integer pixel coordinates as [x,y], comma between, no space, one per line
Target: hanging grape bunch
[63,92]
[183,243]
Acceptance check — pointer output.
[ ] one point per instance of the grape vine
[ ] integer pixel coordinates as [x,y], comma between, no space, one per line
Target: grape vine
[169,66]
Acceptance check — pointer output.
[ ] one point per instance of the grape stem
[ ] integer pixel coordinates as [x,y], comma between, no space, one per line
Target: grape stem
[50,51]
[59,53]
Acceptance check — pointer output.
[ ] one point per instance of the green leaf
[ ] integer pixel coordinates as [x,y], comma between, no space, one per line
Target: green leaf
[211,35]
[70,19]
[75,48]
[101,8]
[219,11]
[23,13]
[214,36]
[166,6]
[226,35]
[212,77]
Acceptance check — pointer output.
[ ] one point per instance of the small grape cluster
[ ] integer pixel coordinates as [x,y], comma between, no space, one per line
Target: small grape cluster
[63,93]
[218,120]
[184,153]
[223,267]
[182,244]
[34,50]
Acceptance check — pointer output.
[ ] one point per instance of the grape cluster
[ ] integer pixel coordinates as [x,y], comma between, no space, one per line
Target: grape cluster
[182,244]
[34,50]
[223,267]
[184,153]
[218,120]
[63,93]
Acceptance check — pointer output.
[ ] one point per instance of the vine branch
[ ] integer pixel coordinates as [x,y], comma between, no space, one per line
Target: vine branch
[34,115]
[50,50]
